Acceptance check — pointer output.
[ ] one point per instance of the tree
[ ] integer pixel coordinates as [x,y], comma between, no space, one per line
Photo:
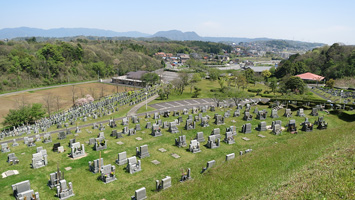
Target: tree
[73,93]
[249,75]
[241,81]
[24,115]
[295,84]
[222,82]
[48,102]
[273,84]
[150,78]
[266,74]
[238,95]
[196,93]
[214,74]
[330,83]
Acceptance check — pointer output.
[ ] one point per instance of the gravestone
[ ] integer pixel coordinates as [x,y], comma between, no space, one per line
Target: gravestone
[47,138]
[164,184]
[138,127]
[300,113]
[122,158]
[108,173]
[176,113]
[63,191]
[314,112]
[95,126]
[62,135]
[101,135]
[14,143]
[213,142]
[147,115]
[25,140]
[247,116]
[77,129]
[31,142]
[149,125]
[166,113]
[156,131]
[274,113]
[133,165]
[194,110]
[230,156]
[204,122]
[12,159]
[77,150]
[321,123]
[135,119]
[212,108]
[236,113]
[173,128]
[131,131]
[219,120]
[291,126]
[190,124]
[288,112]
[54,179]
[232,129]
[246,128]
[71,141]
[229,139]
[112,123]
[156,116]
[116,134]
[186,175]
[39,159]
[94,166]
[92,141]
[55,147]
[307,126]
[262,126]
[216,132]
[22,191]
[209,165]
[61,149]
[256,110]
[199,137]
[100,144]
[38,138]
[261,115]
[227,114]
[165,124]
[181,141]
[139,194]
[276,129]
[125,121]
[5,148]
[194,146]
[142,151]
[180,120]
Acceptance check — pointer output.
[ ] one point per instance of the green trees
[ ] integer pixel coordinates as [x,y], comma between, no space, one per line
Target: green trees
[197,92]
[295,84]
[249,75]
[150,78]
[214,74]
[330,83]
[23,115]
[273,84]
[266,74]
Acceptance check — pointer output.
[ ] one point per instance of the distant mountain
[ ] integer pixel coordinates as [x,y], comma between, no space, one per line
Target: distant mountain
[10,33]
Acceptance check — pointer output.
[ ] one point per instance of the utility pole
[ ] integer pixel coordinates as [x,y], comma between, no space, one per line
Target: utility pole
[98,74]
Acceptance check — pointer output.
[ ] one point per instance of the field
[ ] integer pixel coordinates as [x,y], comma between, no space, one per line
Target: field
[263,173]
[64,93]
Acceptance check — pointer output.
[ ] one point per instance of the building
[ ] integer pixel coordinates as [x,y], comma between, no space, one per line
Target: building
[131,78]
[310,77]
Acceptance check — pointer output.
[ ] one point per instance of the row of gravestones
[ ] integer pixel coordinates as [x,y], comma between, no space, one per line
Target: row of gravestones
[91,109]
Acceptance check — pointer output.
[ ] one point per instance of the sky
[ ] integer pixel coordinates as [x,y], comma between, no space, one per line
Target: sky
[326,21]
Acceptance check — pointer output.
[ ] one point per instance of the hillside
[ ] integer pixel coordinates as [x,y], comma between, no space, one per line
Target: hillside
[336,61]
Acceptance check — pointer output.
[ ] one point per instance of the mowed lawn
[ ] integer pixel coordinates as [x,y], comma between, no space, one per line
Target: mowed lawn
[65,95]
[273,161]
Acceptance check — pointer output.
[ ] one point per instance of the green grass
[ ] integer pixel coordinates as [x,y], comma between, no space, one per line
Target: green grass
[273,160]
[142,109]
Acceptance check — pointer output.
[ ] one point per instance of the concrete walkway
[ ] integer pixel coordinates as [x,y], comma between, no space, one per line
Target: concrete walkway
[136,107]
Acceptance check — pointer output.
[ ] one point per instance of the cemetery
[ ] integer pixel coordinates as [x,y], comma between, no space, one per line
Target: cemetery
[123,162]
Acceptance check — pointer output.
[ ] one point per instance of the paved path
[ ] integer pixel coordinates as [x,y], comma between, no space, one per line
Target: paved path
[54,86]
[136,107]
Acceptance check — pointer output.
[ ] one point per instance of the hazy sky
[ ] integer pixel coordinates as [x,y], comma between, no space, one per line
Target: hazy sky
[325,21]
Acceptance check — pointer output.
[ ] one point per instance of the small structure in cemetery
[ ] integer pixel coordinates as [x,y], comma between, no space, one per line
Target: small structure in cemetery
[194,110]
[291,126]
[14,143]
[137,127]
[71,142]
[212,108]
[321,124]
[133,165]
[213,142]
[314,112]
[131,131]
[307,126]
[190,124]
[229,139]
[62,135]
[227,114]
[209,165]
[122,158]
[5,148]
[288,112]
[194,146]
[147,115]
[95,166]
[54,179]
[176,113]
[236,113]
[63,191]
[275,122]
[199,137]
[156,131]
[140,194]
[116,134]
[39,159]
[262,126]
[300,113]
[55,147]
[100,144]
[22,191]
[149,125]
[112,123]
[47,138]
[142,151]
[230,156]
[274,113]
[219,120]
[185,175]
[173,128]
[166,113]
[256,110]
[156,116]
[77,150]
[232,129]
[31,142]
[77,130]
[135,119]
[204,122]
[125,121]
[276,129]
[12,159]
[216,132]
[108,173]
[181,141]
[261,115]
[163,184]
[246,128]
[247,116]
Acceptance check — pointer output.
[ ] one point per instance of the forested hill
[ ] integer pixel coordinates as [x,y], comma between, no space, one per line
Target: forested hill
[336,61]
[29,63]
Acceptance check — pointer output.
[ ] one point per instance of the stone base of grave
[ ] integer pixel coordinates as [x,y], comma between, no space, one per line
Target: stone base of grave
[86,154]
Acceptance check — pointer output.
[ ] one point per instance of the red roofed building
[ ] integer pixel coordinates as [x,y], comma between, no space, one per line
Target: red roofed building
[310,76]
